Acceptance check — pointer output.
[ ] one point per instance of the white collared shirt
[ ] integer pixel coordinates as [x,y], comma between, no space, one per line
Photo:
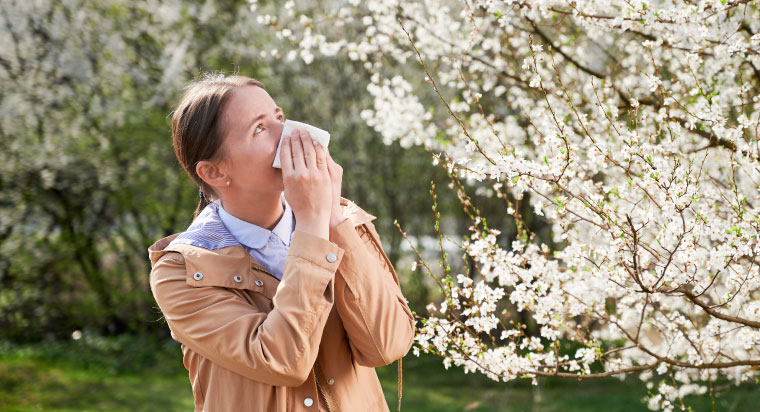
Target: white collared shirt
[267,247]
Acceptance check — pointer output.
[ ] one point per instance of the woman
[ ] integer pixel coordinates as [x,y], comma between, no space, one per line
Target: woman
[279,290]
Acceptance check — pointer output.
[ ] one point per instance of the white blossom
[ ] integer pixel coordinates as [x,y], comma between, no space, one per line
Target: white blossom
[640,154]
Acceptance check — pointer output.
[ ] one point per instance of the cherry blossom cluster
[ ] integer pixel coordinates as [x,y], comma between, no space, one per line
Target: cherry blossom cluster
[630,128]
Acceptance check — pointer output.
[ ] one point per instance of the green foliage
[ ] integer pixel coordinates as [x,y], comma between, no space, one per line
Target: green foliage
[87,170]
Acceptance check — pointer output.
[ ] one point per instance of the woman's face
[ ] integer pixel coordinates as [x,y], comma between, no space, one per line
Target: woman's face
[254,124]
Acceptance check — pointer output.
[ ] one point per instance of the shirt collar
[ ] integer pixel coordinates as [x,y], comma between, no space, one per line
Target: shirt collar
[255,236]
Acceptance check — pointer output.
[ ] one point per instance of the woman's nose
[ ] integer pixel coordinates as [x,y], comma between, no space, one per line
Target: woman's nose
[277,129]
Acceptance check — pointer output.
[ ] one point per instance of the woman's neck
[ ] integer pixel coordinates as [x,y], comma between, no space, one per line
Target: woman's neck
[261,209]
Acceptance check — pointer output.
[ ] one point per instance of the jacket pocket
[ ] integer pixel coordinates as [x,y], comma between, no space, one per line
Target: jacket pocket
[191,360]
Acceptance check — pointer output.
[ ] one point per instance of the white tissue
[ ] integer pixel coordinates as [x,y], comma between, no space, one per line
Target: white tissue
[322,136]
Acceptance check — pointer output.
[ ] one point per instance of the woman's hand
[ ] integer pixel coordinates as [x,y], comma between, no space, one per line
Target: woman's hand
[307,183]
[336,177]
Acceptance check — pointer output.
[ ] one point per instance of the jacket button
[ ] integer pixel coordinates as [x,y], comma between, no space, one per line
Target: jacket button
[331,257]
[198,276]
[258,282]
[331,381]
[308,401]
[237,278]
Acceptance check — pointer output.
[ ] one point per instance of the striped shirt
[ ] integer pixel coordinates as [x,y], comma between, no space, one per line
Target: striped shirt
[215,228]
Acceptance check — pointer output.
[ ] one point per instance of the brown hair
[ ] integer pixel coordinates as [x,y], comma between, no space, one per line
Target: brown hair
[198,126]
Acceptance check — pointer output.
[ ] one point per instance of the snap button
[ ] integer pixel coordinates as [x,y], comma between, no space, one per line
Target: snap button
[258,282]
[308,401]
[237,278]
[198,276]
[331,381]
[331,257]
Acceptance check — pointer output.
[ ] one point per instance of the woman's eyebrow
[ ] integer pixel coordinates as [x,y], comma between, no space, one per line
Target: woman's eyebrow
[255,119]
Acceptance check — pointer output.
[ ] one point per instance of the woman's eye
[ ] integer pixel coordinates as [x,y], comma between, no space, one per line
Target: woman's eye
[256,131]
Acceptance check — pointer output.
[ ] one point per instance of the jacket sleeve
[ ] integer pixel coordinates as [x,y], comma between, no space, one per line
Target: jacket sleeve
[378,322]
[278,347]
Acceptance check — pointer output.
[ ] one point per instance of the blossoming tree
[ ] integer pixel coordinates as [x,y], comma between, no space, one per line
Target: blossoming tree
[631,127]
[85,167]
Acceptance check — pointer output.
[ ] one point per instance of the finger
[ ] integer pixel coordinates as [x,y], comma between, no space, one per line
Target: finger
[296,151]
[310,157]
[328,156]
[330,162]
[321,157]
[286,162]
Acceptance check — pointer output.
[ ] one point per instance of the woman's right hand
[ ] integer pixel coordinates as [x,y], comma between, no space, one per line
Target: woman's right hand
[307,183]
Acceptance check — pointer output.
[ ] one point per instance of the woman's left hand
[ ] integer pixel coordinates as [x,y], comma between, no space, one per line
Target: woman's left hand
[336,176]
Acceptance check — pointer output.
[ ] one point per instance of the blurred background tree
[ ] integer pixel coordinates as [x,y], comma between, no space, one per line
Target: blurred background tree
[87,170]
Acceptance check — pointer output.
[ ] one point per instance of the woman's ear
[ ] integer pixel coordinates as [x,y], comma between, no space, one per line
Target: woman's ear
[211,173]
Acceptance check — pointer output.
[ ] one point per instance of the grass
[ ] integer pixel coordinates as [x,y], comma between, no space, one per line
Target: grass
[428,386]
[94,374]
[130,373]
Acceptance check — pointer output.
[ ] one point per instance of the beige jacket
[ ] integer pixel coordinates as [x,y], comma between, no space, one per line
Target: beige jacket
[310,342]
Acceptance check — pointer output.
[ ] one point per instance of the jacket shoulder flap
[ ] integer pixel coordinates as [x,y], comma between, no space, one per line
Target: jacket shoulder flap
[228,267]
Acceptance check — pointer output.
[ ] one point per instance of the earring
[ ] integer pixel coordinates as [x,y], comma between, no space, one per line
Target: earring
[228,183]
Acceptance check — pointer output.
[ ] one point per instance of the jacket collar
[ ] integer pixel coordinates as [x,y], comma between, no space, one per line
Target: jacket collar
[207,245]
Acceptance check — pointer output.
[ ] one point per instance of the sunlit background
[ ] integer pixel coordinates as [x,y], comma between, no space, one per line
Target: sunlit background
[88,180]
